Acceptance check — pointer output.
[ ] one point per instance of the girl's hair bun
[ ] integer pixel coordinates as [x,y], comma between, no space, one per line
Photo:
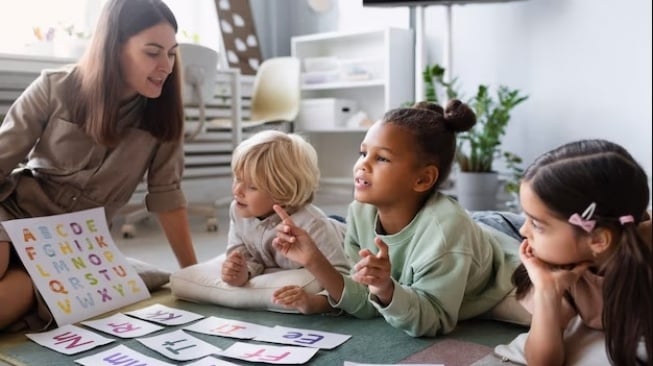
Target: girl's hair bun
[429,107]
[458,117]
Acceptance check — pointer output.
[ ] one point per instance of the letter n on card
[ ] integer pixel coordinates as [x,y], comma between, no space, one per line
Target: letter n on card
[75,264]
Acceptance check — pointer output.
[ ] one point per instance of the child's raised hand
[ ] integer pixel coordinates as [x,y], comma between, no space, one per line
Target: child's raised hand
[548,277]
[234,269]
[293,297]
[374,271]
[292,241]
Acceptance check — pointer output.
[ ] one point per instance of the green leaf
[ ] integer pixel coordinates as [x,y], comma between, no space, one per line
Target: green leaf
[478,147]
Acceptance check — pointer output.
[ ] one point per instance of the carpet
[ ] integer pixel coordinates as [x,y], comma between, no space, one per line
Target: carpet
[372,341]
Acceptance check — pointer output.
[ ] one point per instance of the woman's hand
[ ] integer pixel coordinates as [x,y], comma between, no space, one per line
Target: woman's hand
[374,271]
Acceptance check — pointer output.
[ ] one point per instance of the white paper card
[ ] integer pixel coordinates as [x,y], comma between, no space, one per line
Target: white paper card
[210,361]
[270,354]
[165,315]
[303,337]
[227,328]
[123,326]
[349,363]
[75,264]
[180,346]
[120,355]
[69,339]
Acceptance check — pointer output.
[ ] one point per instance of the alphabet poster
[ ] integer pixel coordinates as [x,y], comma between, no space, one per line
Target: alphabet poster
[75,264]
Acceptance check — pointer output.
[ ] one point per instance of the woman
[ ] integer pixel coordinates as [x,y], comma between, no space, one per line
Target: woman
[85,136]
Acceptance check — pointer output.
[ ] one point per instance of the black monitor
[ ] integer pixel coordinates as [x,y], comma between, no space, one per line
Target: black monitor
[424,2]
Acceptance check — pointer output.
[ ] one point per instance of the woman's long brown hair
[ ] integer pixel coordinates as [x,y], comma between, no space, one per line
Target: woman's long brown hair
[96,86]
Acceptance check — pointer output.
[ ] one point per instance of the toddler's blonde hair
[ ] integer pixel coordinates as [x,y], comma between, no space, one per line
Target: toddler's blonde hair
[282,164]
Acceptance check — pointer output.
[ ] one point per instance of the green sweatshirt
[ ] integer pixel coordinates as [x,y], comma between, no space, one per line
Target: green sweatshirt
[445,267]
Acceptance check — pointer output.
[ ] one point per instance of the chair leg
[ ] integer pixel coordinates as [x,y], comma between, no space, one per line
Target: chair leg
[209,212]
[132,217]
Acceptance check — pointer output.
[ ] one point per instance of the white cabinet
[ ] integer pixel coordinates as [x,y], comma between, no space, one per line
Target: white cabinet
[372,70]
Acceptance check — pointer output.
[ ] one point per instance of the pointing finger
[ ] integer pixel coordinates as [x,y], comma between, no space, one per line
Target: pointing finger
[282,213]
[383,248]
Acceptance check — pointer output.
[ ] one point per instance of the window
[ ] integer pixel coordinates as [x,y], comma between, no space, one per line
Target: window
[38,26]
[54,28]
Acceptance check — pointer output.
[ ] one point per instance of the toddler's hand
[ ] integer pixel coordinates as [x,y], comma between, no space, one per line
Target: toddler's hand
[292,241]
[234,269]
[293,297]
[374,271]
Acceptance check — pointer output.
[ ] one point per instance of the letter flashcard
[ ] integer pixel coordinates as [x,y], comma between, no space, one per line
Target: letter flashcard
[210,361]
[349,363]
[270,354]
[69,339]
[227,328]
[120,355]
[303,337]
[165,315]
[123,326]
[180,346]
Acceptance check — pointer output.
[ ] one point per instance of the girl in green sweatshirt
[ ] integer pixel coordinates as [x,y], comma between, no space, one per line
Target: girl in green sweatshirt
[421,261]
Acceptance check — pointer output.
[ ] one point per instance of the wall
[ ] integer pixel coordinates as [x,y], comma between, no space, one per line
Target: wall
[277,21]
[586,65]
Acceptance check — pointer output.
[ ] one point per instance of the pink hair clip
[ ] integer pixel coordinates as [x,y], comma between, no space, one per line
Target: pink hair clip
[583,221]
[626,219]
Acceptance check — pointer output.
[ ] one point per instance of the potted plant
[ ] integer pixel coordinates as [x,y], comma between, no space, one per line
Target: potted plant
[477,182]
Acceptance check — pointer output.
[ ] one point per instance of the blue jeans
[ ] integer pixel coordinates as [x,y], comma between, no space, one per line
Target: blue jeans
[338,218]
[506,222]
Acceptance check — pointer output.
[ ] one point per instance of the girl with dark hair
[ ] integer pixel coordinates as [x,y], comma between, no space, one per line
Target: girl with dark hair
[421,261]
[587,252]
[88,134]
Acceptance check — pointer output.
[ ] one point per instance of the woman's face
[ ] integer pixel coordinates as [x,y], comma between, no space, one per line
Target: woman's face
[147,59]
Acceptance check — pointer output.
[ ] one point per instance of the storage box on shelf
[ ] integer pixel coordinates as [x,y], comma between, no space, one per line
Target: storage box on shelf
[325,114]
[372,71]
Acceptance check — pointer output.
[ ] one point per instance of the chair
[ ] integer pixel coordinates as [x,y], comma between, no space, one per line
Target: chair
[199,75]
[275,98]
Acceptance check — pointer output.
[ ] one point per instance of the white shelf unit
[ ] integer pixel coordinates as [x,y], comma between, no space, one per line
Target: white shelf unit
[388,55]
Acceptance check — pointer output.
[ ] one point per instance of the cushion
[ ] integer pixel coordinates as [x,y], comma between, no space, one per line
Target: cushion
[153,277]
[202,283]
[583,347]
[509,310]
